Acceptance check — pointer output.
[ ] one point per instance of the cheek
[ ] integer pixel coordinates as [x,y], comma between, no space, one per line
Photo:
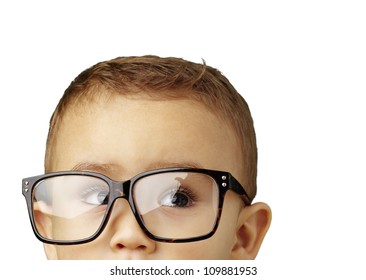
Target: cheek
[200,250]
[219,246]
[225,237]
[87,251]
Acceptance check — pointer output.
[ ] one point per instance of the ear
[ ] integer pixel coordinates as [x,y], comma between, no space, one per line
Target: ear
[252,226]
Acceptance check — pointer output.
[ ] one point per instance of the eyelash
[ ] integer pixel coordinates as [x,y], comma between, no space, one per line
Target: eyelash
[191,196]
[189,193]
[86,192]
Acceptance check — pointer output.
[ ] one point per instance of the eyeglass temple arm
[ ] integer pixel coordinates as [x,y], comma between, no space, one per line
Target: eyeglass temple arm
[239,189]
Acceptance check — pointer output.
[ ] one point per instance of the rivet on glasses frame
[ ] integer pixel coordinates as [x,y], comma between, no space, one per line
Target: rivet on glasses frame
[26,187]
[223,178]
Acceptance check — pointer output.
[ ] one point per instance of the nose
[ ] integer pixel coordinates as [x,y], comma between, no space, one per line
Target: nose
[125,232]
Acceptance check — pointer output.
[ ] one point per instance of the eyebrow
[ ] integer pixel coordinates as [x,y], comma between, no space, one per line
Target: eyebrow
[107,167]
[91,166]
[162,164]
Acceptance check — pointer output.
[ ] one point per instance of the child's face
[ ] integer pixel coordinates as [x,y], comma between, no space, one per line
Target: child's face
[131,136]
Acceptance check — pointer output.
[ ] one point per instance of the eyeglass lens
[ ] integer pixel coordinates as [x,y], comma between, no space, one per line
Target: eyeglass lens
[172,205]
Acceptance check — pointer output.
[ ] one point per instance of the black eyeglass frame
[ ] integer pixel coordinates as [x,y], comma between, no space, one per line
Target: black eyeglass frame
[224,180]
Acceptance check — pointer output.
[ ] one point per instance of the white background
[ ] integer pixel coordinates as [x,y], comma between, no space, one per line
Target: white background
[301,66]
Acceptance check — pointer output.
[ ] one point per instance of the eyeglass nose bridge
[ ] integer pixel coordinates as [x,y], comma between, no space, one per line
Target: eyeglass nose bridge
[120,190]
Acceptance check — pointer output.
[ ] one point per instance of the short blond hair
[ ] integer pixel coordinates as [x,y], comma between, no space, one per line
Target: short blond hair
[164,78]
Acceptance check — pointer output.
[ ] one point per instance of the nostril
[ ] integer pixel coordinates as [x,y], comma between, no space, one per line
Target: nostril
[121,246]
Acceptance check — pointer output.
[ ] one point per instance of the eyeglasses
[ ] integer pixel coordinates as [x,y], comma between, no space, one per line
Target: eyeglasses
[170,205]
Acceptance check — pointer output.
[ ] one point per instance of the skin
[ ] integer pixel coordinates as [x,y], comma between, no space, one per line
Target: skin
[123,137]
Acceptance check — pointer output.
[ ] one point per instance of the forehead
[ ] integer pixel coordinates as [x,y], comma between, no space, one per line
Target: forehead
[134,134]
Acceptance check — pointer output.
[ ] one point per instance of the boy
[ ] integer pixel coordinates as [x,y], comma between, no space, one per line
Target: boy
[185,137]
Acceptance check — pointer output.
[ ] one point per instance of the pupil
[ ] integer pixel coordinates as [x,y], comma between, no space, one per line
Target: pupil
[179,200]
[102,197]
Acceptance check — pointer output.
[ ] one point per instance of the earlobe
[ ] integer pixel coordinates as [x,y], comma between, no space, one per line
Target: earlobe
[252,226]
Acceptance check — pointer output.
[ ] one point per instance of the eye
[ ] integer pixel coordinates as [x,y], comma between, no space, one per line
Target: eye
[95,195]
[177,198]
